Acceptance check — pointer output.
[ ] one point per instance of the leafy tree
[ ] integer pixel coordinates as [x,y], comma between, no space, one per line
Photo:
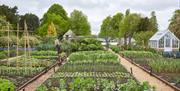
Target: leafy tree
[79,23]
[129,26]
[3,21]
[144,24]
[32,21]
[153,22]
[58,16]
[52,30]
[106,30]
[174,25]
[142,38]
[11,14]
[115,23]
[58,10]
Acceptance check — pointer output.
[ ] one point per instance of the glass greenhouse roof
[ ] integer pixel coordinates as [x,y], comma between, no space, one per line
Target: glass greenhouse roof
[158,35]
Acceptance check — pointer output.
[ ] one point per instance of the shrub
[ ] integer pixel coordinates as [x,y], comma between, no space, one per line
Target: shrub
[116,49]
[45,47]
[69,47]
[2,55]
[4,41]
[14,39]
[5,84]
[33,41]
[42,88]
[44,53]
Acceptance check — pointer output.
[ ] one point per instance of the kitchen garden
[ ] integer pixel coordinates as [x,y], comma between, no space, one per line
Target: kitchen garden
[92,71]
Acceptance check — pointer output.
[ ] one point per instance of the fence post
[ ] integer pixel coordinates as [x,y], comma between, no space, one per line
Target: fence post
[54,69]
[150,70]
[131,70]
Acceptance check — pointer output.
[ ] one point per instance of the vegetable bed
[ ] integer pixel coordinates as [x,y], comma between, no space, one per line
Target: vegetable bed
[92,71]
[166,68]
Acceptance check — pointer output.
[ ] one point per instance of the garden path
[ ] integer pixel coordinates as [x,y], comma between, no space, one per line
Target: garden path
[36,83]
[142,76]
[40,80]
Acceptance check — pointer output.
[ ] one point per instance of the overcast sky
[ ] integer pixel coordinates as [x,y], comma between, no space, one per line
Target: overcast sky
[97,10]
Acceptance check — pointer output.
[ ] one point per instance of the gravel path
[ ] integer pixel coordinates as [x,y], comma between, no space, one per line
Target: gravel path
[32,86]
[142,76]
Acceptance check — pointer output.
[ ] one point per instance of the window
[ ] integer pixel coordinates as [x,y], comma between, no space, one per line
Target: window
[161,43]
[175,43]
[153,44]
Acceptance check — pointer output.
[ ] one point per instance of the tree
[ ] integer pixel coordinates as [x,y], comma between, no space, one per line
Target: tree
[52,30]
[153,22]
[144,24]
[79,23]
[174,25]
[32,21]
[58,16]
[129,26]
[115,23]
[142,37]
[10,14]
[106,30]
[3,21]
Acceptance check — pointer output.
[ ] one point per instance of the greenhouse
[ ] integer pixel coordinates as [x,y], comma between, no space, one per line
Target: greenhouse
[164,41]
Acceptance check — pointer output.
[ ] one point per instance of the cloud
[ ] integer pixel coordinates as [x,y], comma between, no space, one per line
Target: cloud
[97,10]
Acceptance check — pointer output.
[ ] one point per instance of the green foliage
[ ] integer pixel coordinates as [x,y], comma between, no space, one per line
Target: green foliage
[93,56]
[165,65]
[4,41]
[42,88]
[58,16]
[47,43]
[115,48]
[79,23]
[115,23]
[175,23]
[10,13]
[2,55]
[132,85]
[129,25]
[33,41]
[86,44]
[5,84]
[69,47]
[139,54]
[142,38]
[153,26]
[58,10]
[80,84]
[32,21]
[20,71]
[45,47]
[3,23]
[44,53]
[106,30]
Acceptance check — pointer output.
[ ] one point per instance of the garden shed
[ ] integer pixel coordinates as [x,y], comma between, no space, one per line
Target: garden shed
[69,35]
[164,41]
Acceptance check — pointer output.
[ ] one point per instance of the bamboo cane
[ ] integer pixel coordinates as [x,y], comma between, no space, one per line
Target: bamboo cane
[17,40]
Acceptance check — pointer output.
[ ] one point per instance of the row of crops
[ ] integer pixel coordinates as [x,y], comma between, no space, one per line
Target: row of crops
[21,69]
[92,71]
[167,68]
